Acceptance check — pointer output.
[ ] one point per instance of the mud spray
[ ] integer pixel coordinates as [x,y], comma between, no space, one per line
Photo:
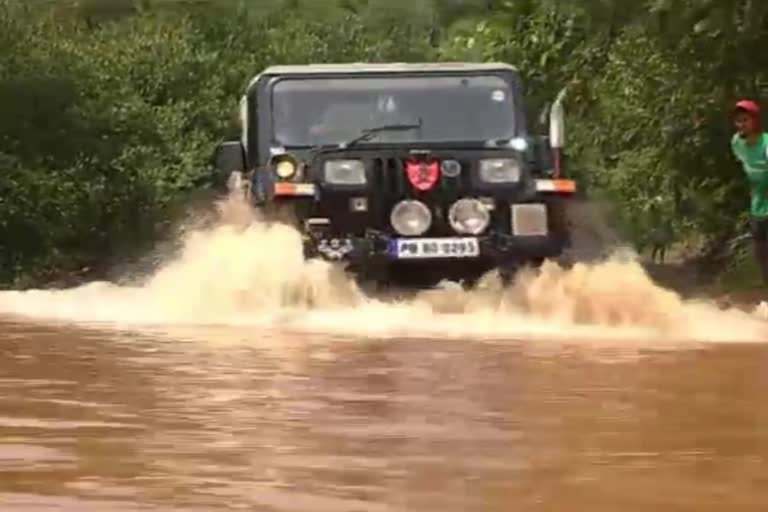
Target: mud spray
[244,272]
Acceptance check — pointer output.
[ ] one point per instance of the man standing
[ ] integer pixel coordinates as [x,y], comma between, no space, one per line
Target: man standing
[750,146]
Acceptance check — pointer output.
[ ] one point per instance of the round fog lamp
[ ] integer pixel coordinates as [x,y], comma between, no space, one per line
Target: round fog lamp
[411,218]
[469,216]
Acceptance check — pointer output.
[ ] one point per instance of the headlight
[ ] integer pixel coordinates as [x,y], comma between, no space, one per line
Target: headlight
[469,216]
[344,172]
[411,218]
[500,170]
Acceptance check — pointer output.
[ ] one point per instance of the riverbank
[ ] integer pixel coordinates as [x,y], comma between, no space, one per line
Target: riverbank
[694,281]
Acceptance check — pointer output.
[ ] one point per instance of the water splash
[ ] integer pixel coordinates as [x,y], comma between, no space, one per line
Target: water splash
[242,271]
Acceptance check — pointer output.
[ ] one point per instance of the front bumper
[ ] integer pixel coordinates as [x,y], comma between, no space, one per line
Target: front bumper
[381,247]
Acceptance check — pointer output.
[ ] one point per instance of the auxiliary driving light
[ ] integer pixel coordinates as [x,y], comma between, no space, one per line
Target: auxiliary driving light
[519,144]
[411,218]
[285,169]
[469,216]
[450,168]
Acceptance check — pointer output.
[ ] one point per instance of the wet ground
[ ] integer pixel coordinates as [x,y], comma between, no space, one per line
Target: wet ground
[242,419]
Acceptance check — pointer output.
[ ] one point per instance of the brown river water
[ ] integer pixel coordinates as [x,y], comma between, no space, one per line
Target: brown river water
[238,377]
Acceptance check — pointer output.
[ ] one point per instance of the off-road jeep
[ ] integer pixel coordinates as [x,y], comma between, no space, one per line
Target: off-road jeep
[419,170]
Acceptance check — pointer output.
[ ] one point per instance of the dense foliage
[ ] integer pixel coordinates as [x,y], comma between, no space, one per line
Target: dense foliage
[109,109]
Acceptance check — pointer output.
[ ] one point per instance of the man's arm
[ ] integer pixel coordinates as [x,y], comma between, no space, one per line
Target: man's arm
[735,148]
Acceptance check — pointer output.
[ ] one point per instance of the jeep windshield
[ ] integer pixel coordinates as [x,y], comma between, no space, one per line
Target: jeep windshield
[328,111]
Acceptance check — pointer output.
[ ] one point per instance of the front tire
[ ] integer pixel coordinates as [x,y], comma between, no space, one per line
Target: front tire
[238,186]
[372,279]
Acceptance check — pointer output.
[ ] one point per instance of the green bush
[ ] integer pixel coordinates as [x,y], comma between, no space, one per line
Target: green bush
[110,110]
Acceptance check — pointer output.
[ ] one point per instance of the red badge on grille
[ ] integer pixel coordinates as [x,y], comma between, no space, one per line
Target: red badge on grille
[423,175]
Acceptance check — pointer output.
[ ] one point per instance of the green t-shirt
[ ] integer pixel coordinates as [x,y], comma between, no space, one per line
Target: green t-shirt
[754,160]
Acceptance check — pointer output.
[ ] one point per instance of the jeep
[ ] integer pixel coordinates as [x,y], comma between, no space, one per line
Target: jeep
[424,171]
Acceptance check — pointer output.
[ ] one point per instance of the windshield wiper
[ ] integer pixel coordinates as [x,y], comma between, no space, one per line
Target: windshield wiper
[370,132]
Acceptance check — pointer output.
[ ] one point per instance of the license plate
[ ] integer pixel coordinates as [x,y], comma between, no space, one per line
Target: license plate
[412,248]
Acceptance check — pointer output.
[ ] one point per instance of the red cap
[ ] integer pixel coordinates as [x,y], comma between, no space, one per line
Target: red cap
[749,106]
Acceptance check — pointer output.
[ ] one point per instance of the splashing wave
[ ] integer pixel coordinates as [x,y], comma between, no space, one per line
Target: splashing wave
[245,272]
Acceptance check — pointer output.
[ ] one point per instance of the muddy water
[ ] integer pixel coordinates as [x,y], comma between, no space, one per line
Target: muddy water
[239,377]
[232,419]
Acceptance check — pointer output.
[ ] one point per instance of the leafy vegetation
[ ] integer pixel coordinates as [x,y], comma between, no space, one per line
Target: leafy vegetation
[110,108]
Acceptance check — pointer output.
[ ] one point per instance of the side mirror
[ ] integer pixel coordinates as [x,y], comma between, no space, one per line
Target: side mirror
[229,158]
[557,132]
[544,114]
[557,122]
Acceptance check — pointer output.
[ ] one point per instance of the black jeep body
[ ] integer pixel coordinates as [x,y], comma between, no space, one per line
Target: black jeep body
[410,170]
